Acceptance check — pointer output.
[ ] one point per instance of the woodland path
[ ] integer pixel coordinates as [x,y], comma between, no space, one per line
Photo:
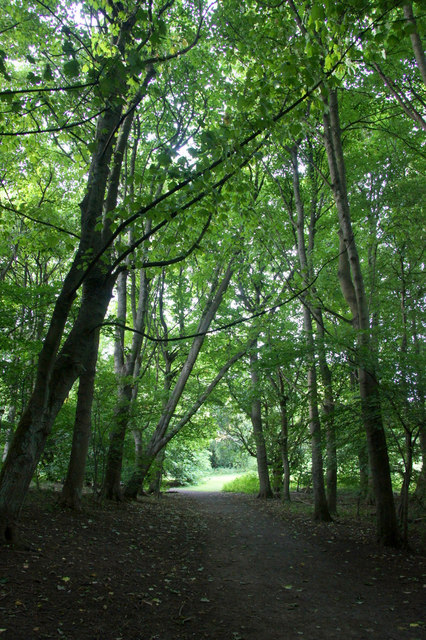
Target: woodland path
[269,582]
[203,566]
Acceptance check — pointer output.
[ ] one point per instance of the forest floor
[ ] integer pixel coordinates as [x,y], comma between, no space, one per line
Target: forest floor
[204,565]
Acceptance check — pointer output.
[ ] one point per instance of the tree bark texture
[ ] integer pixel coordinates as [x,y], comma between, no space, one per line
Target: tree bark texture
[328,410]
[265,490]
[416,40]
[9,430]
[387,529]
[73,485]
[284,450]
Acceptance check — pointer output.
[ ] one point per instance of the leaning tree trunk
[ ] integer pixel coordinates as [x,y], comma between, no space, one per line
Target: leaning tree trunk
[56,373]
[58,367]
[36,423]
[415,39]
[387,528]
[73,485]
[160,437]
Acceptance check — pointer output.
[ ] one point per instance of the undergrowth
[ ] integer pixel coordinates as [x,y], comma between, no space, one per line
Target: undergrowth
[247,483]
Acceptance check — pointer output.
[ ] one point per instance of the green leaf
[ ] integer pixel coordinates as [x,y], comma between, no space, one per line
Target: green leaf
[71,68]
[47,73]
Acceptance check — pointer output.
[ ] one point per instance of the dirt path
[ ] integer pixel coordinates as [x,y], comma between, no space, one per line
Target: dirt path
[267,583]
[192,566]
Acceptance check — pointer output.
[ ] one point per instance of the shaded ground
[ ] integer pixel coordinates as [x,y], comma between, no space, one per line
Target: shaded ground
[219,566]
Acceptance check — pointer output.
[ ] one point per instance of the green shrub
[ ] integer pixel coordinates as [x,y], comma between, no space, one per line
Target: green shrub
[247,483]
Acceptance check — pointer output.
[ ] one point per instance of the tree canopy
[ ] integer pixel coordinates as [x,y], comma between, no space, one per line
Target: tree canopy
[211,219]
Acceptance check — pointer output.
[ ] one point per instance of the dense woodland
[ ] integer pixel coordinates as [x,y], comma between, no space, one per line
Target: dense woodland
[212,219]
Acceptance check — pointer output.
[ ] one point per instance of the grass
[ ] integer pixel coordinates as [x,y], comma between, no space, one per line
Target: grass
[245,483]
[214,482]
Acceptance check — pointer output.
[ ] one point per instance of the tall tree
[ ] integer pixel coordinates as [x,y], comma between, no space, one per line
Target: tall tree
[387,529]
[61,362]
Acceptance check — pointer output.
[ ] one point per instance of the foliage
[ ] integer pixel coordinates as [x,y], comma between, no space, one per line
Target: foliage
[219,99]
[185,465]
[226,453]
[247,483]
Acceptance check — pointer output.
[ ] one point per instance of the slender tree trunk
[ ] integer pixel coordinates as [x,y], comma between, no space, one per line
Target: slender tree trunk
[321,511]
[73,485]
[126,369]
[328,409]
[387,528]
[157,473]
[283,439]
[366,489]
[285,496]
[147,456]
[405,489]
[160,437]
[416,40]
[9,430]
[265,490]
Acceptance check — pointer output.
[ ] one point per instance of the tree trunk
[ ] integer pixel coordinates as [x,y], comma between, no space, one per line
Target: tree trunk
[73,485]
[321,511]
[157,473]
[37,420]
[111,487]
[387,528]
[265,490]
[146,457]
[420,491]
[328,409]
[366,489]
[125,368]
[56,372]
[415,40]
[285,495]
[405,489]
[9,430]
[160,437]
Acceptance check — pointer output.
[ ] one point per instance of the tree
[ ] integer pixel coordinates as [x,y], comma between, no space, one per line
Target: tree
[60,364]
[387,530]
[148,140]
